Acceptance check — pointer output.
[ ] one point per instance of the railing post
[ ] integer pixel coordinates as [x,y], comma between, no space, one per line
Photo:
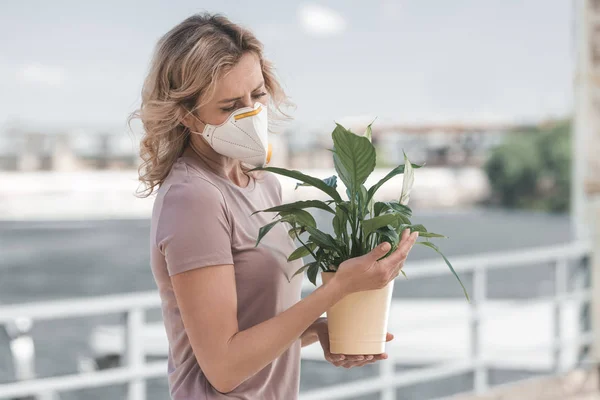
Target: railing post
[477,299]
[582,281]
[387,369]
[560,289]
[134,352]
[594,219]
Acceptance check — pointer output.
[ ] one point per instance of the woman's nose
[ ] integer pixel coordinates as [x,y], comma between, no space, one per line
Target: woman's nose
[247,101]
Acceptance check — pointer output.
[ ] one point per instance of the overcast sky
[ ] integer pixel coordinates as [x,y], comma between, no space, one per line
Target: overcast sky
[74,62]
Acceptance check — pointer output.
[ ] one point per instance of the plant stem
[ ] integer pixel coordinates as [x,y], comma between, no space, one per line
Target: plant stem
[304,244]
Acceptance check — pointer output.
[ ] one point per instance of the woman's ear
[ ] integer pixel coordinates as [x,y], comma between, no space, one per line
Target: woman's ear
[190,121]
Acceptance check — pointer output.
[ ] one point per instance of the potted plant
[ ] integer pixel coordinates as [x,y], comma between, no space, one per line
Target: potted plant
[358,322]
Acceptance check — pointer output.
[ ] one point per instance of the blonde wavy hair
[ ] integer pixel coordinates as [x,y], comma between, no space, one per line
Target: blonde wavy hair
[187,62]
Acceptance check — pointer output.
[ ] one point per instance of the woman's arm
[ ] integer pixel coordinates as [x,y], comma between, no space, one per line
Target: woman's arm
[208,304]
[310,336]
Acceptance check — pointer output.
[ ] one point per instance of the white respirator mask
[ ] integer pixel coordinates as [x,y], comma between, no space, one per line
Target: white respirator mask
[243,136]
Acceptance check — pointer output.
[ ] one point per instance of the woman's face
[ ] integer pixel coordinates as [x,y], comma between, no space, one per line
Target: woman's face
[242,86]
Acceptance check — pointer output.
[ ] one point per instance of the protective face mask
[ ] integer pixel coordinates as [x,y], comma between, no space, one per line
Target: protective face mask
[243,136]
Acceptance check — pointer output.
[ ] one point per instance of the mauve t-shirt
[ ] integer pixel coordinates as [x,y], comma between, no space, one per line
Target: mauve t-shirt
[201,218]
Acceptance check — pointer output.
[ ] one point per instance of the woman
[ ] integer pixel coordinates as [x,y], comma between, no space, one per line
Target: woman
[234,323]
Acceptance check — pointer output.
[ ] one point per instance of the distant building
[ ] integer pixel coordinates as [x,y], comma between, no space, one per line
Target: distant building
[443,144]
[27,148]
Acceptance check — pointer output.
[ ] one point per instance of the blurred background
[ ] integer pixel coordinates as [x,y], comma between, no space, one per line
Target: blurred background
[496,98]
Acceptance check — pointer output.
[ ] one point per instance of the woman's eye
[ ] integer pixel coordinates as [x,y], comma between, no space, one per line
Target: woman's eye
[230,109]
[234,107]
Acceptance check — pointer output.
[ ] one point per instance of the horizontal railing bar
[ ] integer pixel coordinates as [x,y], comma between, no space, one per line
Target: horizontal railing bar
[583,339]
[399,379]
[102,305]
[156,369]
[482,314]
[492,260]
[80,307]
[497,260]
[579,296]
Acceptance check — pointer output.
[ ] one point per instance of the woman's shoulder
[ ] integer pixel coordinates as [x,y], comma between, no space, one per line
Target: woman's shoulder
[270,177]
[271,182]
[190,180]
[189,191]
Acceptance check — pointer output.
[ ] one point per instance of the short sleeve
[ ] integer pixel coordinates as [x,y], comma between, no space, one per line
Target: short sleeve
[193,228]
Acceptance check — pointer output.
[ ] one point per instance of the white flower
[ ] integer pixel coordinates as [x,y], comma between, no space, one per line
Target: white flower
[369,132]
[407,181]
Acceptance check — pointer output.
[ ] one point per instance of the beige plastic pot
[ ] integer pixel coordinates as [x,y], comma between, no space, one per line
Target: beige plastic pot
[358,323]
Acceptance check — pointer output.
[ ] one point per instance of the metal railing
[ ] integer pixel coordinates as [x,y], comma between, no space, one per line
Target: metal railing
[135,370]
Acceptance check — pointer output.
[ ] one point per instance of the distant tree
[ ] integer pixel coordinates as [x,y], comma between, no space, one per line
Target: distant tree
[532,168]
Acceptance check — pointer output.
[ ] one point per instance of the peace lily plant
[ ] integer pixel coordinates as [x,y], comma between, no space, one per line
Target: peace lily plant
[357,324]
[360,223]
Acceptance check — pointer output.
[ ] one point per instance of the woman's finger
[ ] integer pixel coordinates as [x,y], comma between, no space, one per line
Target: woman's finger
[379,357]
[354,357]
[402,251]
[358,363]
[334,357]
[366,362]
[389,337]
[351,360]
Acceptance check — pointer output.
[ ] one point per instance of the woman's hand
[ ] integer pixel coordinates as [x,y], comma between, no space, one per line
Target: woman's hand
[346,360]
[371,271]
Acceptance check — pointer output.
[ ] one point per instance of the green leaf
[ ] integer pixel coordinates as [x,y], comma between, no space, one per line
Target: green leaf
[422,231]
[311,180]
[302,251]
[391,235]
[372,224]
[300,217]
[301,270]
[345,206]
[434,247]
[401,208]
[296,232]
[349,194]
[396,171]
[381,207]
[331,181]
[402,223]
[313,270]
[431,235]
[354,157]
[418,228]
[339,222]
[264,230]
[385,206]
[363,202]
[321,238]
[404,273]
[299,205]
